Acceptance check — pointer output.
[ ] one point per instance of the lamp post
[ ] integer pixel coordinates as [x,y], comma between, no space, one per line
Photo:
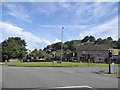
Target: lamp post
[61,45]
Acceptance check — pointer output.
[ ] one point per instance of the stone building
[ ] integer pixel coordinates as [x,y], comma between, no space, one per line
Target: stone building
[96,53]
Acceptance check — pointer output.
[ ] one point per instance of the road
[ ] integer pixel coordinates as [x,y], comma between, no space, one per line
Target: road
[0,76]
[49,77]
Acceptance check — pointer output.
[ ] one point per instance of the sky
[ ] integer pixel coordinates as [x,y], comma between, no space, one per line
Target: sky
[40,23]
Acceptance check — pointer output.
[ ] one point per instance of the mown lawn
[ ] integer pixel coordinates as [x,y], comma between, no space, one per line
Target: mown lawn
[55,64]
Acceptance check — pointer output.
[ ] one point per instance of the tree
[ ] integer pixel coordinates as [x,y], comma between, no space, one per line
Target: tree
[109,38]
[70,45]
[14,47]
[114,44]
[48,56]
[38,54]
[98,41]
[107,42]
[34,53]
[86,39]
[65,47]
[56,46]
[48,49]
[52,47]
[92,39]
[41,54]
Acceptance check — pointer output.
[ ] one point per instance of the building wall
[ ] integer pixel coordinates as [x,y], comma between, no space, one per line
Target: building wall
[115,51]
[96,55]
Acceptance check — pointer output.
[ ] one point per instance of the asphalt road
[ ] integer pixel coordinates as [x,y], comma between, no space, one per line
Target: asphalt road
[0,76]
[50,77]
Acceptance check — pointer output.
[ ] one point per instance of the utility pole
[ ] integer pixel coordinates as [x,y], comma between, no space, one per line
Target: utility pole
[61,45]
[109,66]
[88,59]
[109,58]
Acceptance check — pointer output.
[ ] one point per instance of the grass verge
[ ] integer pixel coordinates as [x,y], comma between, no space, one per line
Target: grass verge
[55,64]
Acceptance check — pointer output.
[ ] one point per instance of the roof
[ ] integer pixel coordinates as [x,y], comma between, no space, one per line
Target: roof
[93,48]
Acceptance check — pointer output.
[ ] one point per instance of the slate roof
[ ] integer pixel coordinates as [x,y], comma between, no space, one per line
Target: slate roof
[93,48]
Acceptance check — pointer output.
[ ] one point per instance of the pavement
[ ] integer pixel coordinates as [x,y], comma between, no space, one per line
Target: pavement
[56,77]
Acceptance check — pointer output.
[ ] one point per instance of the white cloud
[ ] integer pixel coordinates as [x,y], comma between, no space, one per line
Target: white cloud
[18,11]
[103,30]
[104,9]
[94,11]
[33,41]
[44,8]
[57,40]
[50,8]
[10,30]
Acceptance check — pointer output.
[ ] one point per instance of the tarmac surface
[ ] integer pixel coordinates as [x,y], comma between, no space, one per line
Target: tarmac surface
[56,78]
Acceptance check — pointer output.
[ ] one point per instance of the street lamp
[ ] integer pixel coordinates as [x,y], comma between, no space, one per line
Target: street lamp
[61,45]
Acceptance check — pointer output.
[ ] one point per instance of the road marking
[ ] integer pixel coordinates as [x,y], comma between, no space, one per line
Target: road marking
[76,87]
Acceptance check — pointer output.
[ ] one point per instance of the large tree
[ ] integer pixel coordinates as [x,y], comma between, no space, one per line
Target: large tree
[53,47]
[92,39]
[85,39]
[88,38]
[14,47]
[37,53]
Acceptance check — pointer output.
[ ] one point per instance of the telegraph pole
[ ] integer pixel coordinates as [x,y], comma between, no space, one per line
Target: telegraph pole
[109,58]
[61,45]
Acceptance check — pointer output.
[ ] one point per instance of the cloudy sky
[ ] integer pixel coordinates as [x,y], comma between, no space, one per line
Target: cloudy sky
[39,23]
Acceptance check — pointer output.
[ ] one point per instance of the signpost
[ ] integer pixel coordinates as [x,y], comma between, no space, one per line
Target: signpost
[109,55]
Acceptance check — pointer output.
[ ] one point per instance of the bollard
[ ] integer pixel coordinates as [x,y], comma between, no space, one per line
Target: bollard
[5,62]
[112,66]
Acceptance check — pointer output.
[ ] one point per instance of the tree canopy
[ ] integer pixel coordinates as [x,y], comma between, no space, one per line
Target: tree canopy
[73,45]
[14,47]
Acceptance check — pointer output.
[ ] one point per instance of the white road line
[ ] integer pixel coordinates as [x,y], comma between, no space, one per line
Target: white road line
[76,87]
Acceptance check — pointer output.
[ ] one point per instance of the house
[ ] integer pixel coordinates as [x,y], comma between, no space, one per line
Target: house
[95,53]
[115,55]
[115,51]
